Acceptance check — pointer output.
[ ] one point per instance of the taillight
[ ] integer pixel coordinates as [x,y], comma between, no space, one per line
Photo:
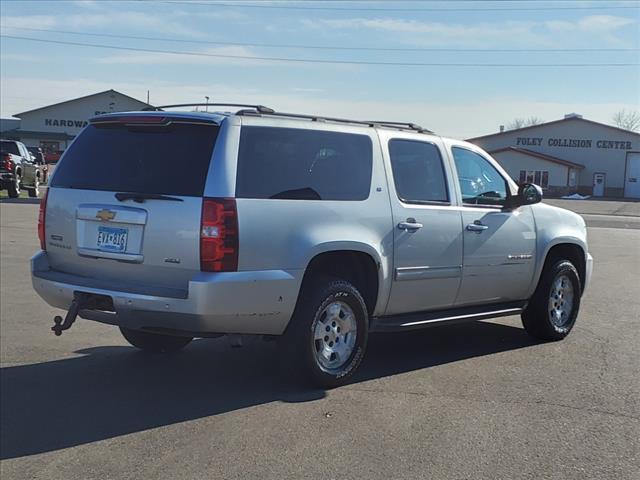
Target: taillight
[7,162]
[41,218]
[219,235]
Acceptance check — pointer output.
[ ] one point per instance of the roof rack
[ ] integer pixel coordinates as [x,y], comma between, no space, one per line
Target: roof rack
[257,108]
[248,109]
[320,118]
[411,126]
[313,118]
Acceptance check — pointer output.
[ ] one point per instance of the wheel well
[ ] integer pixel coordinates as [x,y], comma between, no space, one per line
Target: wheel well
[572,252]
[358,268]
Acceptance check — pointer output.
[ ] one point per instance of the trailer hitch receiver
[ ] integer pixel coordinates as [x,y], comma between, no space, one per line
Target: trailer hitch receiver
[81,301]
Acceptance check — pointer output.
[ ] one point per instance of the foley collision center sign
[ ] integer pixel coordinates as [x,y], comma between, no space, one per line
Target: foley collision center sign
[573,143]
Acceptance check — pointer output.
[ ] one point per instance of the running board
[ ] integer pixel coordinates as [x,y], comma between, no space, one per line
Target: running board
[412,321]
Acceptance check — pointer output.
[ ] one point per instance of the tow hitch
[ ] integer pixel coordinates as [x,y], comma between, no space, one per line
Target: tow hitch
[81,301]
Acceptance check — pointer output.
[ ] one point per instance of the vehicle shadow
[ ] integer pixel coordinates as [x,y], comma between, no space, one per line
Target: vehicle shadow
[112,391]
[31,201]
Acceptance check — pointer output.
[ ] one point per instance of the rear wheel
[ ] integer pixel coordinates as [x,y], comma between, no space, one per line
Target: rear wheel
[552,311]
[35,191]
[327,337]
[13,189]
[154,342]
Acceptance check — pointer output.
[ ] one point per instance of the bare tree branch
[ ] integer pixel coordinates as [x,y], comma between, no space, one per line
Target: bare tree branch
[524,122]
[629,120]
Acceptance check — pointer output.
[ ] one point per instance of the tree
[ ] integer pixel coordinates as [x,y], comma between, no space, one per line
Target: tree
[629,120]
[524,122]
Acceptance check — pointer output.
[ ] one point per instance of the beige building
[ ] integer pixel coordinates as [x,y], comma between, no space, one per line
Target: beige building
[572,155]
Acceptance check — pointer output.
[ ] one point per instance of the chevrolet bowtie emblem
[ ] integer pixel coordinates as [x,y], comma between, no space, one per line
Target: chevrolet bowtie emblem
[106,215]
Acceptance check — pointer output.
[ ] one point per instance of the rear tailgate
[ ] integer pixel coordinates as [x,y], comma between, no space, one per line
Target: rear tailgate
[125,201]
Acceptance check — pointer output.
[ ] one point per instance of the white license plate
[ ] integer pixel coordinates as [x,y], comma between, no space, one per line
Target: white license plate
[112,239]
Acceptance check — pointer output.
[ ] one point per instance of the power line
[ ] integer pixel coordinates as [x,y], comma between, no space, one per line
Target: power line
[316,61]
[327,47]
[396,9]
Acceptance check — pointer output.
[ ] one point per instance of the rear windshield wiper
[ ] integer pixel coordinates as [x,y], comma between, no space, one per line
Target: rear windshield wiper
[141,197]
[307,193]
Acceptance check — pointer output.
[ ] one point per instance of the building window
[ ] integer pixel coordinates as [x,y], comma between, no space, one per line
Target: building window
[539,177]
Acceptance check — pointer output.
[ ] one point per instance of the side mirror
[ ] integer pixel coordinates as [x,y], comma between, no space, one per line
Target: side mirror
[528,194]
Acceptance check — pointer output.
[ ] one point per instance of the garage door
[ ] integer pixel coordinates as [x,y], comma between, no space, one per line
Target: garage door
[632,180]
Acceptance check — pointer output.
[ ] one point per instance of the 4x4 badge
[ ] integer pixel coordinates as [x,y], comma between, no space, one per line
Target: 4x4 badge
[106,215]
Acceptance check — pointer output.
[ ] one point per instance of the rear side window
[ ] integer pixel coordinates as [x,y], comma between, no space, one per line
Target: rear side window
[287,163]
[172,159]
[418,172]
[9,147]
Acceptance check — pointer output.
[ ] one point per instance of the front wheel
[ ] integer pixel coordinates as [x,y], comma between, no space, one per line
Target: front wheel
[154,342]
[327,337]
[552,311]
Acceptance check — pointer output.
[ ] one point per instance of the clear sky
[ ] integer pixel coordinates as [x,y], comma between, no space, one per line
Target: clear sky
[459,101]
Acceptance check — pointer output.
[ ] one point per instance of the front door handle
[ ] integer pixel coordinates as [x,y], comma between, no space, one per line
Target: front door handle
[477,227]
[410,224]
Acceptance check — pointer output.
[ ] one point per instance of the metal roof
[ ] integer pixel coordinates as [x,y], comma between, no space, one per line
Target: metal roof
[554,122]
[542,156]
[82,98]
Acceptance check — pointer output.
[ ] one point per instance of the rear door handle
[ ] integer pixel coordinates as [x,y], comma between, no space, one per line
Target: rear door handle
[409,224]
[477,227]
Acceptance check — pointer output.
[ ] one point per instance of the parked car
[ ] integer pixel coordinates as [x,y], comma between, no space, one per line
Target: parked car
[18,170]
[37,157]
[318,231]
[52,157]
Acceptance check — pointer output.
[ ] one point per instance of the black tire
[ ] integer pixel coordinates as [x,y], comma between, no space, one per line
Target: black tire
[35,191]
[540,318]
[298,343]
[154,342]
[13,189]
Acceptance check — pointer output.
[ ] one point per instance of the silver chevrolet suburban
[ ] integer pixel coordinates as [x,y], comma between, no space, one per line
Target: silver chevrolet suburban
[173,224]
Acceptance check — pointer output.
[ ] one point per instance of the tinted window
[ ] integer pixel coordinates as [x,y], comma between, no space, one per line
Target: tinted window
[298,164]
[480,182]
[418,172]
[171,159]
[9,147]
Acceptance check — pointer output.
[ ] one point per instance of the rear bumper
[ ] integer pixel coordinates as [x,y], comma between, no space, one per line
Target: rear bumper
[6,178]
[259,302]
[588,271]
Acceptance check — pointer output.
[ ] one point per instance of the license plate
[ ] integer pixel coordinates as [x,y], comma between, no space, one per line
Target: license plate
[112,239]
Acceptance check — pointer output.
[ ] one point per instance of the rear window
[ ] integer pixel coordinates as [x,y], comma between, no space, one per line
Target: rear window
[297,164]
[9,147]
[171,159]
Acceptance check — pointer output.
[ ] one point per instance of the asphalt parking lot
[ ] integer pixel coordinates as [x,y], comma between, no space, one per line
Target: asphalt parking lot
[475,401]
